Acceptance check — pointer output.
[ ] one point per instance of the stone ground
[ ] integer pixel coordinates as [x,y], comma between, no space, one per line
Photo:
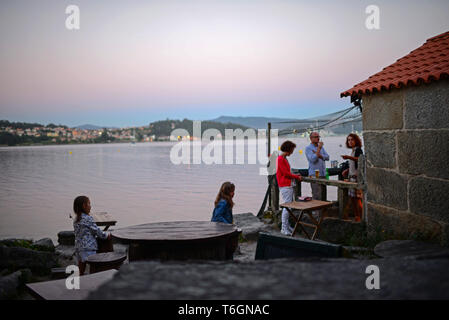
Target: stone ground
[405,277]
[279,279]
[421,273]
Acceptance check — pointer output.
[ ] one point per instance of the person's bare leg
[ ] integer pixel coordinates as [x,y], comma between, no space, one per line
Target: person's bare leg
[359,208]
[356,207]
[82,267]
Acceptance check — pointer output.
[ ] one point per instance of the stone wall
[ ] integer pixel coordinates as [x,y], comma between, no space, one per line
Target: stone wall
[406,135]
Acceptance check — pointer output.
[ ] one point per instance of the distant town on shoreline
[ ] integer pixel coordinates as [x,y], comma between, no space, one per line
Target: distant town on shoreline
[23,134]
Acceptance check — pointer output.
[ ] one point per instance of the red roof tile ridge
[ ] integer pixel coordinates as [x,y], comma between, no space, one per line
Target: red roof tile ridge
[443,35]
[427,63]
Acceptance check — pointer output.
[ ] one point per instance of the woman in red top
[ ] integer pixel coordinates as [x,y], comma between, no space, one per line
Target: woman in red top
[286,182]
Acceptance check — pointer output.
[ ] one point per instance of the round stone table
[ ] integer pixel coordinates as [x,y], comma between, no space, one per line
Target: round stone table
[179,240]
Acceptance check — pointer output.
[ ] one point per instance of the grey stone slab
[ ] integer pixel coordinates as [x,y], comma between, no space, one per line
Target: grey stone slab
[380,149]
[424,152]
[430,197]
[387,188]
[426,106]
[383,111]
[410,248]
[250,225]
[279,279]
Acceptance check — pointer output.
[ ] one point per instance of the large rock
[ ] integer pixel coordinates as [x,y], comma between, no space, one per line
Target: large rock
[14,258]
[250,225]
[336,230]
[410,248]
[10,284]
[45,244]
[278,279]
[66,238]
[387,223]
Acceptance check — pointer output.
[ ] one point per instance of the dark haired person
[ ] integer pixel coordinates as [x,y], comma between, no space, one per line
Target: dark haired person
[353,142]
[224,204]
[286,182]
[317,157]
[86,232]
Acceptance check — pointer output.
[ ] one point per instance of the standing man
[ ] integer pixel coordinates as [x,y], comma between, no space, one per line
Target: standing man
[316,156]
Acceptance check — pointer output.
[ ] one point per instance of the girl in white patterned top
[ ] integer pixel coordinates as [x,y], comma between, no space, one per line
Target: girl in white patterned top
[86,232]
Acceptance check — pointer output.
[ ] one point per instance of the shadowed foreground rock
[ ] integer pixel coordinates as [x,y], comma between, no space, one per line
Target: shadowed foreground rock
[410,248]
[400,278]
[15,258]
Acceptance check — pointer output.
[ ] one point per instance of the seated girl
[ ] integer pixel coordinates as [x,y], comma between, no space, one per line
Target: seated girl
[86,232]
[224,204]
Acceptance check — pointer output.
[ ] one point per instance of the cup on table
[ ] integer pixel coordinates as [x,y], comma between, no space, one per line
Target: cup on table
[317,174]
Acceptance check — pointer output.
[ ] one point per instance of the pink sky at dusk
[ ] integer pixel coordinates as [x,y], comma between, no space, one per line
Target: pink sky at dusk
[148,60]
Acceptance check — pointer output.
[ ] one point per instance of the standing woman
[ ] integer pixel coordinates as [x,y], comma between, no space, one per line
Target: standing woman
[286,182]
[353,142]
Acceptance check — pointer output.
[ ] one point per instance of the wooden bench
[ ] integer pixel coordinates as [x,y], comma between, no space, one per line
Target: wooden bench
[57,290]
[105,261]
[276,247]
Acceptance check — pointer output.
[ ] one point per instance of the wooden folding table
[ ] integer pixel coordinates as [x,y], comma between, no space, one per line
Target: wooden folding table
[307,207]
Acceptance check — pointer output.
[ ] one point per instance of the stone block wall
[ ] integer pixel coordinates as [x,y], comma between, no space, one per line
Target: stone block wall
[406,135]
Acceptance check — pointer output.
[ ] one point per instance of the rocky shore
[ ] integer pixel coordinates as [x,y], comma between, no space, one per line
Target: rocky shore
[24,261]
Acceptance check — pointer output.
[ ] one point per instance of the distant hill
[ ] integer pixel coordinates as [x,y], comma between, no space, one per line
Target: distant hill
[255,122]
[88,127]
[165,127]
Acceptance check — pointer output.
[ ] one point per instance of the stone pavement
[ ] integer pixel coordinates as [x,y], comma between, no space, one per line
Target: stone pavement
[400,278]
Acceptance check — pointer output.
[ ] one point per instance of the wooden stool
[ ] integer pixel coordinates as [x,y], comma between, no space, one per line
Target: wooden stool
[105,261]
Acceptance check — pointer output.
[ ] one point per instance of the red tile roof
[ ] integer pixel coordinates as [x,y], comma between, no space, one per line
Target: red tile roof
[427,63]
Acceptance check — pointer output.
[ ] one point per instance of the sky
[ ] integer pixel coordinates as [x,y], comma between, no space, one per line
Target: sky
[138,61]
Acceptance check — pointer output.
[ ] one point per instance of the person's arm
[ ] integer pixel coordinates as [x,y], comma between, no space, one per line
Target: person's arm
[350,158]
[219,212]
[228,217]
[318,150]
[325,155]
[311,155]
[94,229]
[285,170]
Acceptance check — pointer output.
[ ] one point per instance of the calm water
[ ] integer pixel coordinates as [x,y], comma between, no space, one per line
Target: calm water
[135,183]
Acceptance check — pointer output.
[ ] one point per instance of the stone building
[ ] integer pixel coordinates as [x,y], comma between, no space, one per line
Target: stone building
[405,111]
